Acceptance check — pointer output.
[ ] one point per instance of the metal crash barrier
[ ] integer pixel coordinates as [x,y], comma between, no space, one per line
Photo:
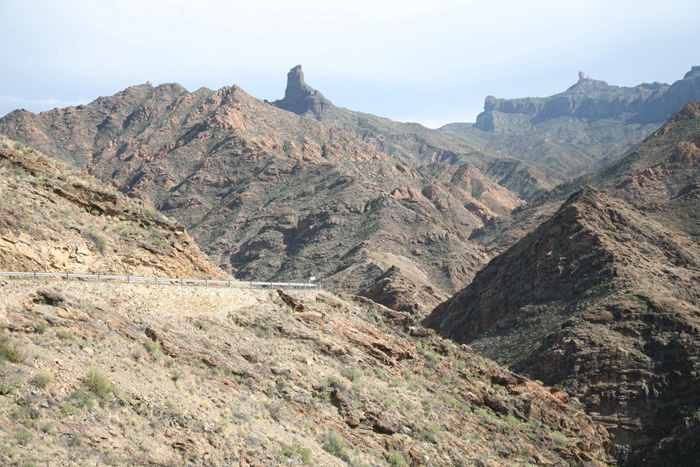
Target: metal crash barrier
[160,280]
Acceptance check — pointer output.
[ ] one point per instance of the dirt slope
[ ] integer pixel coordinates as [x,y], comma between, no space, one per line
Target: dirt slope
[113,374]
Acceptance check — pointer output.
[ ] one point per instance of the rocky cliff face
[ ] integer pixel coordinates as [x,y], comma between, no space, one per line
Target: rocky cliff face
[273,195]
[599,327]
[301,98]
[679,94]
[602,301]
[55,219]
[588,99]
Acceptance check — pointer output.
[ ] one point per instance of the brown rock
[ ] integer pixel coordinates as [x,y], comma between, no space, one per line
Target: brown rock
[166,344]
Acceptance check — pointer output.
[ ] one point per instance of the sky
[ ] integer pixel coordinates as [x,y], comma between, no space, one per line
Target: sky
[431,61]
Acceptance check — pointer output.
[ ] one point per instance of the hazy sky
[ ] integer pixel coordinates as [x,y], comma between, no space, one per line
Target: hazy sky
[429,61]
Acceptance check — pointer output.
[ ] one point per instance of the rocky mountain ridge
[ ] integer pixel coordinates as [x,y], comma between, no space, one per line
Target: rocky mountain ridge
[658,177]
[587,98]
[412,143]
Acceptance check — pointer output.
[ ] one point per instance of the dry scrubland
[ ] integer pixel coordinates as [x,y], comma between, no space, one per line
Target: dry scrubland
[119,374]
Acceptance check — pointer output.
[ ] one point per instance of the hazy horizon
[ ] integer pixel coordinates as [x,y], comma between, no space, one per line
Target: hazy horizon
[409,61]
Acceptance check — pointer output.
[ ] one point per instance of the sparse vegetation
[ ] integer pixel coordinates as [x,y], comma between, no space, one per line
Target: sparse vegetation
[39,326]
[23,437]
[65,335]
[6,388]
[153,348]
[353,374]
[82,399]
[335,444]
[316,380]
[396,459]
[98,240]
[68,409]
[98,384]
[10,350]
[42,379]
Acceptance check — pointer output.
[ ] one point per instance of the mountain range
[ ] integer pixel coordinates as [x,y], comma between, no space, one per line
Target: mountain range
[272,195]
[588,283]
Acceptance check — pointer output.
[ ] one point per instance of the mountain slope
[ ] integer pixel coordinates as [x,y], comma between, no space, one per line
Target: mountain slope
[114,373]
[55,219]
[272,195]
[575,131]
[602,301]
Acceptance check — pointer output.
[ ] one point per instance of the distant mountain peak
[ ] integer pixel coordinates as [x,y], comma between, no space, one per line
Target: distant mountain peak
[694,71]
[299,97]
[296,84]
[583,79]
[295,77]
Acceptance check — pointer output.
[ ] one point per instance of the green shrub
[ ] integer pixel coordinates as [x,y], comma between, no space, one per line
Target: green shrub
[157,237]
[334,382]
[98,240]
[42,379]
[559,437]
[305,453]
[98,384]
[10,351]
[82,399]
[68,409]
[5,388]
[334,444]
[153,348]
[352,374]
[287,452]
[23,437]
[64,335]
[39,326]
[396,459]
